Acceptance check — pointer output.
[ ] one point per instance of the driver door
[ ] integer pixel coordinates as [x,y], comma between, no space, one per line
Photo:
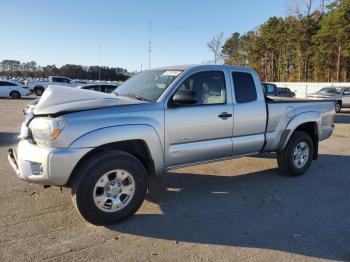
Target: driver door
[202,131]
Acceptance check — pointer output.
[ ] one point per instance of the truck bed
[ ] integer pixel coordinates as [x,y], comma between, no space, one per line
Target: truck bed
[278,99]
[282,110]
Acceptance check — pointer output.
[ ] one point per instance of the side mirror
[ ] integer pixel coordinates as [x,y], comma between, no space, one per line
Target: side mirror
[183,97]
[346,93]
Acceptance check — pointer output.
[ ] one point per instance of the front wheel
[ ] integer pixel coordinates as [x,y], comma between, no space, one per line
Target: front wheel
[39,90]
[15,95]
[338,107]
[296,158]
[109,187]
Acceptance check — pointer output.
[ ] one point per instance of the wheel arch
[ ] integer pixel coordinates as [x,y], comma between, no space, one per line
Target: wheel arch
[307,122]
[138,148]
[141,141]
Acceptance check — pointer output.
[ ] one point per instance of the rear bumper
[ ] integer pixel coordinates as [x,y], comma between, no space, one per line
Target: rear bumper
[42,165]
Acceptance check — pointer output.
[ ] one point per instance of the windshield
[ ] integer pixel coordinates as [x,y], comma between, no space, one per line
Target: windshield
[330,90]
[147,85]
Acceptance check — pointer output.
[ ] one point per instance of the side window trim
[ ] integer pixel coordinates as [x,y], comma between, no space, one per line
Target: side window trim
[203,71]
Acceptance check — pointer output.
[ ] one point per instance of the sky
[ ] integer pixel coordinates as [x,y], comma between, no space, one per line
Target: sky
[116,33]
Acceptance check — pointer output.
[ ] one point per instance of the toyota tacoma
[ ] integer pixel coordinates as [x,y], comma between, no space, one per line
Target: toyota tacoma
[107,147]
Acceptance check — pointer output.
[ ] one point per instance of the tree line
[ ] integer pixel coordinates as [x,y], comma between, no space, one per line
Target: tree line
[14,68]
[310,45]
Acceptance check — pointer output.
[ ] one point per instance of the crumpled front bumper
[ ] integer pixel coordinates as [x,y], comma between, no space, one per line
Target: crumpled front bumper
[43,165]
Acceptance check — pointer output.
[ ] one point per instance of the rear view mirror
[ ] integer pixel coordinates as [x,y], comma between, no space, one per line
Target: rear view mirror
[183,97]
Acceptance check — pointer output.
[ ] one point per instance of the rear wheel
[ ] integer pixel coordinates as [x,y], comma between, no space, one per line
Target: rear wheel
[109,187]
[296,158]
[39,90]
[15,95]
[338,107]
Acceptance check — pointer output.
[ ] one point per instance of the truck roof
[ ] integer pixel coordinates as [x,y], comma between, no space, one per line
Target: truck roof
[203,66]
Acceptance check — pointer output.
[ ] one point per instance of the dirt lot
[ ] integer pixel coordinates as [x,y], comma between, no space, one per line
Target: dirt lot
[233,210]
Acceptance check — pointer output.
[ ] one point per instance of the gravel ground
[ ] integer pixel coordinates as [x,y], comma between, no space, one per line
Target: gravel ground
[232,210]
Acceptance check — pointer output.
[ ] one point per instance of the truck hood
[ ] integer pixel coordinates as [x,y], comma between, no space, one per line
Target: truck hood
[58,99]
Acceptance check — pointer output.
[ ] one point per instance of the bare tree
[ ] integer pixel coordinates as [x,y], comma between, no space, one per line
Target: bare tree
[215,46]
[308,6]
[302,8]
[321,6]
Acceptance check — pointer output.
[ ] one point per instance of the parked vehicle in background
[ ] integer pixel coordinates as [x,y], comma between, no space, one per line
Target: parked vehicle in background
[80,81]
[13,89]
[38,87]
[100,87]
[271,89]
[107,147]
[285,92]
[340,94]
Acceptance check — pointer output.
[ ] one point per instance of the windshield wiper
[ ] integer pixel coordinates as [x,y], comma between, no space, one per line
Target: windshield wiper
[133,96]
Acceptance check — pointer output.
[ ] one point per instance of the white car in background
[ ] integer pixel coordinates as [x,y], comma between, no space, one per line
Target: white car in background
[13,89]
[98,86]
[38,87]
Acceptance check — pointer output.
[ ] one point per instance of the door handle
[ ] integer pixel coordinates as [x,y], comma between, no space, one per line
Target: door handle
[225,115]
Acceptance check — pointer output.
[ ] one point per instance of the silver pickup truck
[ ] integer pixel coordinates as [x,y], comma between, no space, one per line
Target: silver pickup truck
[106,147]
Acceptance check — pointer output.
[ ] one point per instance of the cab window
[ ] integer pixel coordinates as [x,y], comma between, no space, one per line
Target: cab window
[209,87]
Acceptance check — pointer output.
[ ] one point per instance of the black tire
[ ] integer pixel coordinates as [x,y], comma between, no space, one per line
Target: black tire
[285,158]
[15,95]
[338,107]
[39,90]
[92,170]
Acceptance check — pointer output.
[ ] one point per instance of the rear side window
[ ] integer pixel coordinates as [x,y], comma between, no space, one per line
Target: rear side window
[107,88]
[7,84]
[93,87]
[269,88]
[60,80]
[245,90]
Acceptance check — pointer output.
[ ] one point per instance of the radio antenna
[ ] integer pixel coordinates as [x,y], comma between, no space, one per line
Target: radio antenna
[150,44]
[99,61]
